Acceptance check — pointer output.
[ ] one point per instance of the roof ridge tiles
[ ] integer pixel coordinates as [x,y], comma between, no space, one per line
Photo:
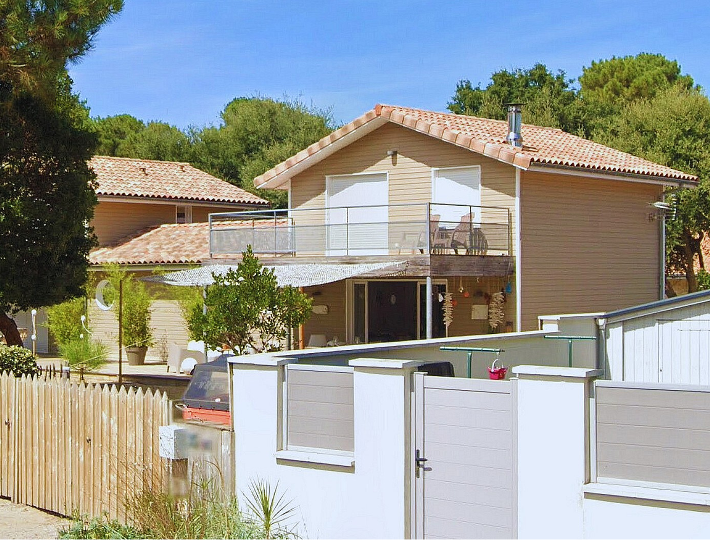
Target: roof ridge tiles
[543,145]
[123,158]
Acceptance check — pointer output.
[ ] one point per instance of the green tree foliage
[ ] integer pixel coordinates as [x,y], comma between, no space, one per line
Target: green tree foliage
[39,38]
[608,86]
[114,132]
[46,186]
[246,309]
[549,99]
[622,80]
[136,309]
[256,134]
[126,136]
[673,128]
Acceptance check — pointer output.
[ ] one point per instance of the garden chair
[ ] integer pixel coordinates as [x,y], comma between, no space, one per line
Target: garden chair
[469,236]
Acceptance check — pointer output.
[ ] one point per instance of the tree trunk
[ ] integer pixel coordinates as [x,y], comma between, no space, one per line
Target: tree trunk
[689,258]
[8,327]
[670,292]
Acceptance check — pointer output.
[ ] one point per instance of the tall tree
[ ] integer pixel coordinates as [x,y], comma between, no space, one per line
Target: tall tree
[673,128]
[258,133]
[114,131]
[608,86]
[549,99]
[46,186]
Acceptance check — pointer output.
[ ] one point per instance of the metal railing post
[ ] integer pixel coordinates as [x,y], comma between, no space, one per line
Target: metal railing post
[427,228]
[209,240]
[570,339]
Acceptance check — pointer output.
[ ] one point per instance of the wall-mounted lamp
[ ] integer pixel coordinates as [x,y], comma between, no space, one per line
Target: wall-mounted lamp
[662,209]
[391,153]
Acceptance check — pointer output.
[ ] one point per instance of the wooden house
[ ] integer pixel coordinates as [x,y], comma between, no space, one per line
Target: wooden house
[488,224]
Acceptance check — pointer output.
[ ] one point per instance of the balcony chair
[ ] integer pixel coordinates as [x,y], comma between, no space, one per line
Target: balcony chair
[438,238]
[469,236]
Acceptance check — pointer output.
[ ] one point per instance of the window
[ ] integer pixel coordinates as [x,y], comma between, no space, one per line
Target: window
[357,214]
[183,214]
[454,191]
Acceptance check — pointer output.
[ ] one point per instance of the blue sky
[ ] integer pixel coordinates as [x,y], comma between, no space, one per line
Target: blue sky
[182,61]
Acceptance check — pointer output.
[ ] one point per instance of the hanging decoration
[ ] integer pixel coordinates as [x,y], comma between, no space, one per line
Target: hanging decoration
[496,313]
[448,309]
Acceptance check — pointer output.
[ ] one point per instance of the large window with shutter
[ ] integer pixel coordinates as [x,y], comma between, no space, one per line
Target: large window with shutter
[357,214]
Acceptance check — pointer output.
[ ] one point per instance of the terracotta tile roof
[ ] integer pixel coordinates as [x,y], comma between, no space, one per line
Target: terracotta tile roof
[166,244]
[172,243]
[165,180]
[542,146]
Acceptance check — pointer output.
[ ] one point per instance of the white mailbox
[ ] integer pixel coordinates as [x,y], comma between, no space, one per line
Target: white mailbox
[174,442]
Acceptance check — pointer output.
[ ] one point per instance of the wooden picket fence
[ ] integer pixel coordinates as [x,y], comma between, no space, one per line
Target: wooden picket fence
[71,447]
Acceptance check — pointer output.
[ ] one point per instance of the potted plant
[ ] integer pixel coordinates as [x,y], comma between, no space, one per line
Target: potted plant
[137,332]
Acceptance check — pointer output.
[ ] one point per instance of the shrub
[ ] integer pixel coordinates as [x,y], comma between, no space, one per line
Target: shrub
[64,320]
[18,360]
[84,353]
[83,527]
[246,309]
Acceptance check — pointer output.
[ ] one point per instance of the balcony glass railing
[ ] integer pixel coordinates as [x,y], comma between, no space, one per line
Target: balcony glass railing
[402,229]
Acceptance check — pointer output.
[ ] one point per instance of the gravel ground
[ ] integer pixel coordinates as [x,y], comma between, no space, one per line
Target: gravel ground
[19,521]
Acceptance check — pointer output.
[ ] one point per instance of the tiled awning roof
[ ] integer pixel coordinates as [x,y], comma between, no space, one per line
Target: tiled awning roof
[541,145]
[166,244]
[128,177]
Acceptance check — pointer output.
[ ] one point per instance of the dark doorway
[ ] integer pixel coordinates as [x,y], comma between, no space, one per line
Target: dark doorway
[392,310]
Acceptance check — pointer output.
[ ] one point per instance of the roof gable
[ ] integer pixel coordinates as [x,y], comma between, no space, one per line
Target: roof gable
[543,146]
[143,178]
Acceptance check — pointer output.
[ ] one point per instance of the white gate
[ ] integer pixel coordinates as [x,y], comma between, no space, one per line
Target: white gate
[465,458]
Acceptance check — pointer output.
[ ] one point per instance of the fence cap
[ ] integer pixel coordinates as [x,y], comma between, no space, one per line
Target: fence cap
[525,372]
[262,359]
[385,363]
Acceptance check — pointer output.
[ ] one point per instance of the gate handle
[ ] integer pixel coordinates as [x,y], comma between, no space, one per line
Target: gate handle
[419,463]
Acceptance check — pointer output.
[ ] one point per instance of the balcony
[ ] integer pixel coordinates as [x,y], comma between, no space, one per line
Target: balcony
[403,231]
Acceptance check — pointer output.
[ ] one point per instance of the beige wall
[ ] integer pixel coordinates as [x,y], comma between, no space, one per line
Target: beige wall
[114,221]
[332,324]
[166,320]
[410,172]
[587,245]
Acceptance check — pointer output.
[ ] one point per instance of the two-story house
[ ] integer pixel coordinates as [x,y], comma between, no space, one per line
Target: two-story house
[152,214]
[512,221]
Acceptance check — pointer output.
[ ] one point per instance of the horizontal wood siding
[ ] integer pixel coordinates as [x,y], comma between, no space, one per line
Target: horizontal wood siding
[653,435]
[320,409]
[409,173]
[334,323]
[587,245]
[114,221]
[166,320]
[201,214]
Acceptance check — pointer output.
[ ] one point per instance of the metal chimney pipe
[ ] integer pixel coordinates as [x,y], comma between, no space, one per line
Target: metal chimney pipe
[515,121]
